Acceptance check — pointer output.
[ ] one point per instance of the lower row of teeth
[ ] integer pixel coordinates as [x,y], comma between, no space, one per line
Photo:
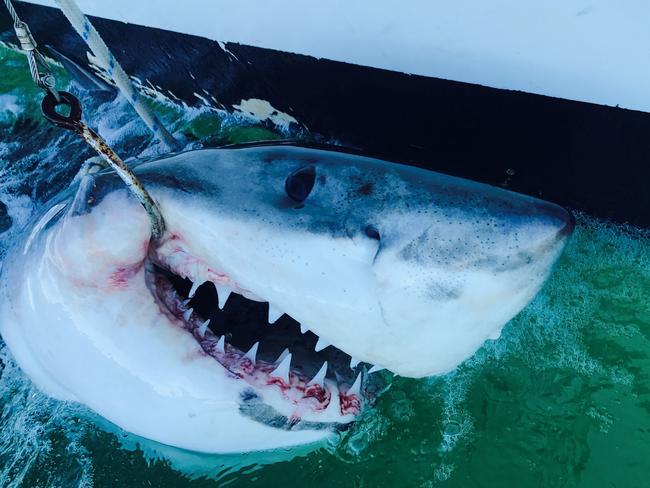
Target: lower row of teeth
[280,370]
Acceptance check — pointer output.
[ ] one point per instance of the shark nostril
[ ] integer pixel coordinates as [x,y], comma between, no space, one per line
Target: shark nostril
[372,232]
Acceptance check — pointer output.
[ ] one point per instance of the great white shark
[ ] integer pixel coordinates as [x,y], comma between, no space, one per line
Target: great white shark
[287,278]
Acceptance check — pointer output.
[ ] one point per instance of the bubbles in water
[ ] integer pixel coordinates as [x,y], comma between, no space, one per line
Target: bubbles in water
[566,370]
[452,428]
[34,430]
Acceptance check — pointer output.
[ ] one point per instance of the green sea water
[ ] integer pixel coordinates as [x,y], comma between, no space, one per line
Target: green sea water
[561,399]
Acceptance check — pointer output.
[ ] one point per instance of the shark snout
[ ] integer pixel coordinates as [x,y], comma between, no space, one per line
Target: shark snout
[560,219]
[569,224]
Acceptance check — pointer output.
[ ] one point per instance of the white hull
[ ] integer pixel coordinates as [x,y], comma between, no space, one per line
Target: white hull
[593,52]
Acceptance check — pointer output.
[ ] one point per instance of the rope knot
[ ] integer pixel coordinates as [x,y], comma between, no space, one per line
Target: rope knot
[27,42]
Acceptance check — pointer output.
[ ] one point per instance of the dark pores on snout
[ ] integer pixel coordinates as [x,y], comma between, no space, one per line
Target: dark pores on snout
[485,240]
[463,251]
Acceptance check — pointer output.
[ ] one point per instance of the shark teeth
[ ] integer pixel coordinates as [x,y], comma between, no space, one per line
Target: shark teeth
[223,292]
[221,345]
[274,314]
[282,371]
[319,378]
[282,355]
[195,286]
[332,372]
[187,314]
[203,328]
[355,389]
[321,344]
[252,352]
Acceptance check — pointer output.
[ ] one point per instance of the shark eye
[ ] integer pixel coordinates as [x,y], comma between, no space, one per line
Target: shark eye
[372,232]
[300,183]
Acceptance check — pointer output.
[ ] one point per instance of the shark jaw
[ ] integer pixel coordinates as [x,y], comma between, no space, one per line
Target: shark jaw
[264,347]
[287,278]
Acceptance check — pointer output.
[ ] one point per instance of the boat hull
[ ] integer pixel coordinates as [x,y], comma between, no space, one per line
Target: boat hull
[584,156]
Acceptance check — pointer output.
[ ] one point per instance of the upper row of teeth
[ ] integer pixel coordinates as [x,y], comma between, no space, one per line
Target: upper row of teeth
[224,292]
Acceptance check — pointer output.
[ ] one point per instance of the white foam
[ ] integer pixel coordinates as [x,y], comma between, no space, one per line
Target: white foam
[28,424]
[9,106]
[550,333]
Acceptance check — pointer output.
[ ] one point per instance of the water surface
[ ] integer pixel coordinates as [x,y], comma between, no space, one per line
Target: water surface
[561,399]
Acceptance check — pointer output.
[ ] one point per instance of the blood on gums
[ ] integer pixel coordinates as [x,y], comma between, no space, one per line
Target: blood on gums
[247,365]
[243,368]
[319,393]
[279,382]
[349,404]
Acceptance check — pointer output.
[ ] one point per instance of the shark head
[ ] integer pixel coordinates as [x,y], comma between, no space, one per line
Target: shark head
[286,278]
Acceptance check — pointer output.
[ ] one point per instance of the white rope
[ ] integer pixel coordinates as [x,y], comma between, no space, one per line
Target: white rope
[99,48]
[38,67]
[12,11]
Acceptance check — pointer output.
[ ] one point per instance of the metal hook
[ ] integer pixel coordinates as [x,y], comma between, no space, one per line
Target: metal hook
[49,104]
[74,123]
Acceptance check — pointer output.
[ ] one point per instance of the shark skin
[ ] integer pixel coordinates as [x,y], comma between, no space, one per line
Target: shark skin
[382,266]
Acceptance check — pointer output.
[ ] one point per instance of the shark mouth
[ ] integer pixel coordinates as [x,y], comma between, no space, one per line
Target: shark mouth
[307,380]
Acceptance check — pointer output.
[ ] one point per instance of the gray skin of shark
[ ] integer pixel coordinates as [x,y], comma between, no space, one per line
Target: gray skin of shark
[424,234]
[396,266]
